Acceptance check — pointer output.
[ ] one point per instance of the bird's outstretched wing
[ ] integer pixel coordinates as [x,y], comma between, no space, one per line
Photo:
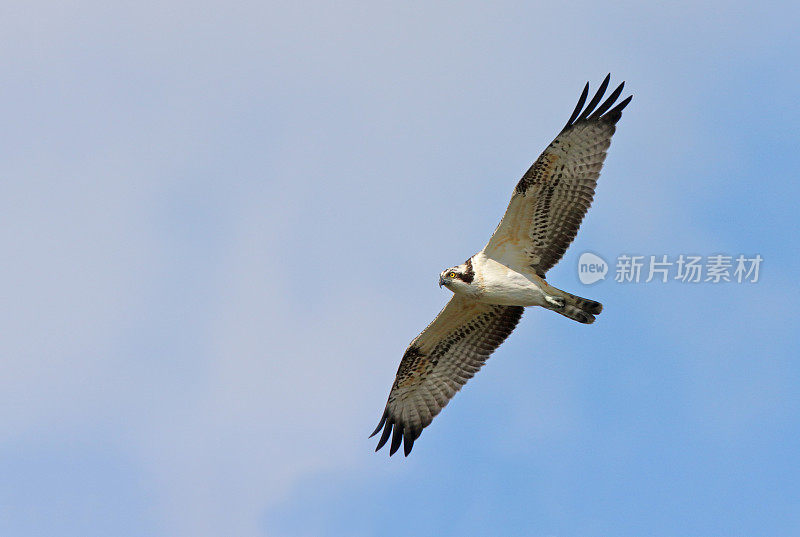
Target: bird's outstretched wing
[438,362]
[551,199]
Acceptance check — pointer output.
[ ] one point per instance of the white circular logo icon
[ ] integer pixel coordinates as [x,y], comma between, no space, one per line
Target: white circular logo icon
[591,268]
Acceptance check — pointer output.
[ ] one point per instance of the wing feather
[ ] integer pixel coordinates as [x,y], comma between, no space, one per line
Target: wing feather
[438,363]
[596,99]
[551,199]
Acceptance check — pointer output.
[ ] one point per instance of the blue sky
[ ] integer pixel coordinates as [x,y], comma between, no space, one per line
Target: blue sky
[223,223]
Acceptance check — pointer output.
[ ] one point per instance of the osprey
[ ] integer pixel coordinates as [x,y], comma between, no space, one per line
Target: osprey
[493,287]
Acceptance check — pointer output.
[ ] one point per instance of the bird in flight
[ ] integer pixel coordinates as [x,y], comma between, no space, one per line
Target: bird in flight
[492,288]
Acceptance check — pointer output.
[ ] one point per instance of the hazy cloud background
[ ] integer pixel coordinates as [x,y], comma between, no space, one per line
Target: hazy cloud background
[223,223]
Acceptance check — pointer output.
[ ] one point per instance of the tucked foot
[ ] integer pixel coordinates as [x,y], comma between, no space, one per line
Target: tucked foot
[555,301]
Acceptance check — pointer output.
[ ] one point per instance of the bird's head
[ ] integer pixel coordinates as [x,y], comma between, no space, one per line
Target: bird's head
[458,278]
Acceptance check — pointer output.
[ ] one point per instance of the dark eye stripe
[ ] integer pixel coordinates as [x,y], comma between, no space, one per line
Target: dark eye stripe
[469,275]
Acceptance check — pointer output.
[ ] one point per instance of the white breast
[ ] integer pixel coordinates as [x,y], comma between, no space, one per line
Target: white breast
[500,284]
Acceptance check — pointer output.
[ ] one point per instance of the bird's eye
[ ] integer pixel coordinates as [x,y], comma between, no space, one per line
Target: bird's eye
[451,275]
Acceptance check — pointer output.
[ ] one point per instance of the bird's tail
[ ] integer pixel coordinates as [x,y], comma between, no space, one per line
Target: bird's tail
[578,308]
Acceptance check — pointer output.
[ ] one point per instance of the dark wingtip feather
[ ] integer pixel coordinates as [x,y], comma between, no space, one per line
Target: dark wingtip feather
[408,443]
[397,437]
[380,425]
[602,112]
[596,99]
[607,104]
[385,436]
[578,106]
[615,113]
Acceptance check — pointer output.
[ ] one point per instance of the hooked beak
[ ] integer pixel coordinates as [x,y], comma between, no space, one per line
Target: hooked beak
[442,281]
